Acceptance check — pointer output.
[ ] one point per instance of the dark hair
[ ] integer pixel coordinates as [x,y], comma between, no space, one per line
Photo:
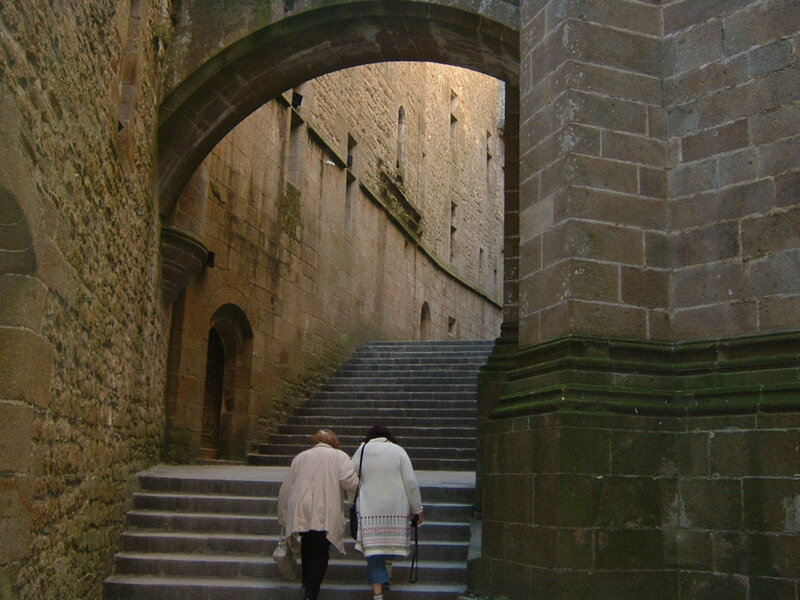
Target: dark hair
[380,431]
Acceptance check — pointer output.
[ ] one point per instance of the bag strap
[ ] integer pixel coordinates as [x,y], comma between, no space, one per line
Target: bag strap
[414,571]
[360,464]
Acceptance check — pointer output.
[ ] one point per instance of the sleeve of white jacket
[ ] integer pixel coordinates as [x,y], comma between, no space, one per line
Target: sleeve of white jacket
[347,474]
[411,485]
[354,462]
[283,496]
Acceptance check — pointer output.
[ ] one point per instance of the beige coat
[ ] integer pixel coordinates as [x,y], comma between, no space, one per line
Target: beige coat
[311,499]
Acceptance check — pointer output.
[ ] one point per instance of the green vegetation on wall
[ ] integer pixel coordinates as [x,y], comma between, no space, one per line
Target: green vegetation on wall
[180,446]
[317,368]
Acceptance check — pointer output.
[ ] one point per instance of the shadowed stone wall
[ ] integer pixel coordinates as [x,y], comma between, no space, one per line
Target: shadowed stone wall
[647,428]
[731,92]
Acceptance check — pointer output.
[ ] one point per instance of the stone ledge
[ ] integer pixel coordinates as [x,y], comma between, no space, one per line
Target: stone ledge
[182,255]
[731,376]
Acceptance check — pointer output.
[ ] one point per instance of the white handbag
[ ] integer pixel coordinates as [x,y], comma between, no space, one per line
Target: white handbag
[285,559]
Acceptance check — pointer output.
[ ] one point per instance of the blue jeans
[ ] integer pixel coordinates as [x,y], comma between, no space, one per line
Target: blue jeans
[376,568]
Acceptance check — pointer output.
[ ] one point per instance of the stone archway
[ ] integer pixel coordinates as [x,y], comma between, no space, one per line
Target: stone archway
[23,383]
[279,51]
[266,53]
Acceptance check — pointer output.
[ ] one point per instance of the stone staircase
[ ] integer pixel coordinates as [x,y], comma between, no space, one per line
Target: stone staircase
[207,532]
[423,391]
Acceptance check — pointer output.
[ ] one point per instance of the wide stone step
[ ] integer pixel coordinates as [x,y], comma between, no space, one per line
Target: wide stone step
[205,503]
[420,362]
[441,412]
[167,522]
[205,543]
[405,377]
[201,543]
[144,587]
[467,452]
[378,387]
[265,482]
[485,345]
[263,567]
[456,349]
[460,511]
[465,372]
[233,487]
[396,421]
[420,458]
[197,522]
[430,464]
[392,394]
[420,431]
[349,442]
[389,405]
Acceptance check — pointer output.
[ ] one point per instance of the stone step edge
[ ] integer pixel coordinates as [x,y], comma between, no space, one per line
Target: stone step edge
[221,582]
[335,559]
[249,499]
[280,472]
[243,516]
[161,533]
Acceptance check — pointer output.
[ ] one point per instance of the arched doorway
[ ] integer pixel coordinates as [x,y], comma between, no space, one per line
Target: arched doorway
[226,402]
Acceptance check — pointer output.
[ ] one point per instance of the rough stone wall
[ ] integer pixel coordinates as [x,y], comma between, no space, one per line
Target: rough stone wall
[311,283]
[80,325]
[732,93]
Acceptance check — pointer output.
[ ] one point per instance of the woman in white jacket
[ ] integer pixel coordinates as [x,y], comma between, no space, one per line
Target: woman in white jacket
[310,504]
[388,499]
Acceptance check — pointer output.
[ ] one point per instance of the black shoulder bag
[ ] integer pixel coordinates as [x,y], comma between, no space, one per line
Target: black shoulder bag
[353,511]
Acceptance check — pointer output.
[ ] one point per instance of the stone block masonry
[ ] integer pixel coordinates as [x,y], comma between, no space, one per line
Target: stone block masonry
[714,156]
[592,138]
[697,505]
[732,81]
[658,206]
[642,405]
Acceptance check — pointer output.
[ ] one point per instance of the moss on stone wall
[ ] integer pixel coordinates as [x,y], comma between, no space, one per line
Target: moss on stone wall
[290,213]
[317,368]
[181,446]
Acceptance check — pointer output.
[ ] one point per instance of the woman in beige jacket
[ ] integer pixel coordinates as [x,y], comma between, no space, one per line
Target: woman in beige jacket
[310,504]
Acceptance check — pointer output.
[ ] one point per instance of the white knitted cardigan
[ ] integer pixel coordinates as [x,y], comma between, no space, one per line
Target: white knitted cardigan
[389,495]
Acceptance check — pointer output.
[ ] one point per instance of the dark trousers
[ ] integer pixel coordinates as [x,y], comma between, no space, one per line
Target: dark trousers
[314,548]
